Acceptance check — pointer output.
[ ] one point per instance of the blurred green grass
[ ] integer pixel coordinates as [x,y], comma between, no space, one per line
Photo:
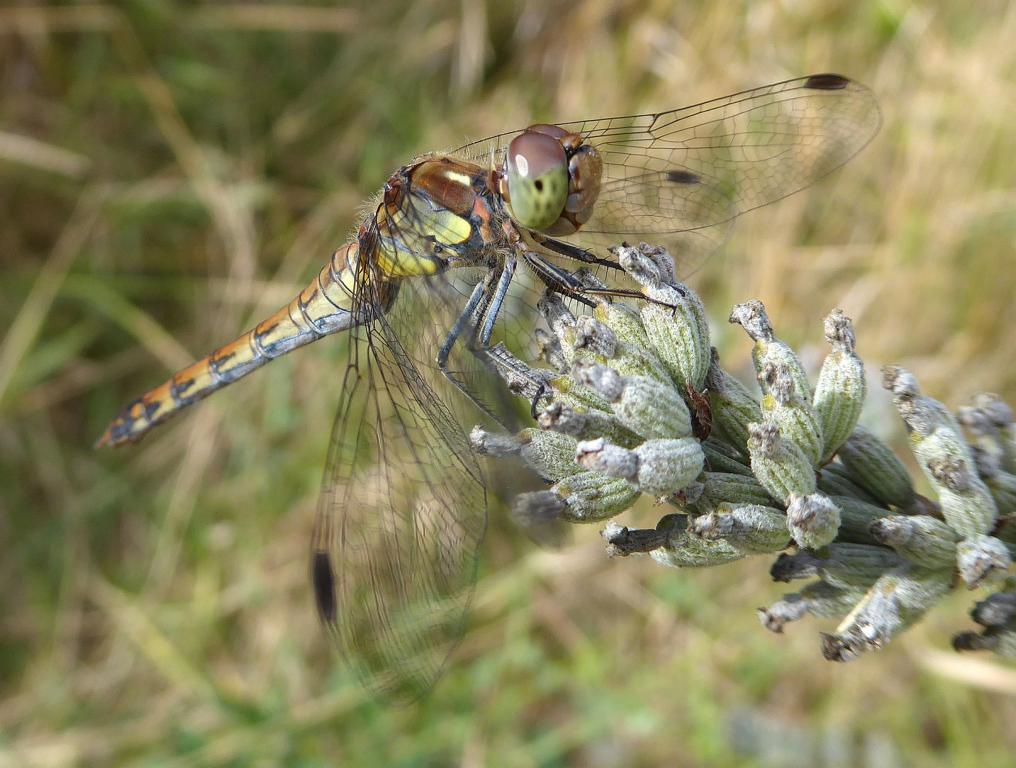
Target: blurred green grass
[171,172]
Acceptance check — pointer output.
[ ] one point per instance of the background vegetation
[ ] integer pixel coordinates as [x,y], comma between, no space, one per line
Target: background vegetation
[171,172]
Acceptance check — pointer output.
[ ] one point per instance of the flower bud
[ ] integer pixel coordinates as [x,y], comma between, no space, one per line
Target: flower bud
[732,405]
[841,388]
[997,609]
[750,528]
[683,550]
[874,467]
[982,559]
[999,640]
[812,520]
[653,410]
[675,323]
[856,518]
[846,566]
[590,497]
[921,539]
[769,350]
[819,599]
[735,490]
[893,603]
[782,406]
[780,465]
[719,458]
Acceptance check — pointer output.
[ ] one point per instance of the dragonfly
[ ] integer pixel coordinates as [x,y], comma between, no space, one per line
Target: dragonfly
[426,285]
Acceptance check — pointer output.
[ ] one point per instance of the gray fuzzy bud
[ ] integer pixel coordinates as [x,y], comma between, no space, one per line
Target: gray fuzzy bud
[996,610]
[813,520]
[769,350]
[921,539]
[999,640]
[653,410]
[982,559]
[594,337]
[684,550]
[612,460]
[894,602]
[493,444]
[590,496]
[752,529]
[675,321]
[818,599]
[667,466]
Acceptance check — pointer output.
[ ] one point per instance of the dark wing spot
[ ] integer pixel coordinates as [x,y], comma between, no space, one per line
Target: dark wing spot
[683,177]
[539,185]
[324,587]
[826,82]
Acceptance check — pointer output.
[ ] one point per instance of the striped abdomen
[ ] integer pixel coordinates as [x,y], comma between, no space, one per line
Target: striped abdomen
[325,306]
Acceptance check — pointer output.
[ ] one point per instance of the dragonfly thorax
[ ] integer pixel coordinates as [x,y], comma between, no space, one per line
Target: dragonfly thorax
[552,179]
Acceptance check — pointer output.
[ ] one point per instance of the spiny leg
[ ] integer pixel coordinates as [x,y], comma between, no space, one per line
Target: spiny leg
[574,252]
[567,284]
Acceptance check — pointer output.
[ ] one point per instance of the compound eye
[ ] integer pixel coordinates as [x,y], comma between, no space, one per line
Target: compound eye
[537,179]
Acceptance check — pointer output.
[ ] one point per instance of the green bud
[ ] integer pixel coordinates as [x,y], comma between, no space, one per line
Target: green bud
[874,467]
[667,466]
[585,423]
[684,550]
[752,529]
[550,454]
[719,488]
[841,387]
[769,350]
[657,411]
[675,323]
[782,406]
[998,640]
[634,355]
[732,405]
[856,518]
[998,609]
[835,480]
[818,599]
[921,539]
[590,497]
[780,465]
[718,459]
[846,566]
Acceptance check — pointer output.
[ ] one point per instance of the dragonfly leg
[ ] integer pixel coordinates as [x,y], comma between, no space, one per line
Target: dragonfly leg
[572,251]
[497,300]
[465,318]
[487,295]
[567,284]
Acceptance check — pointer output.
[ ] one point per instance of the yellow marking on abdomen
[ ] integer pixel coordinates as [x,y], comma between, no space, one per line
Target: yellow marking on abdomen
[324,307]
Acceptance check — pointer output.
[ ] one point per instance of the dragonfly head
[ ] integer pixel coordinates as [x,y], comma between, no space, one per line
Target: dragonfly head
[552,179]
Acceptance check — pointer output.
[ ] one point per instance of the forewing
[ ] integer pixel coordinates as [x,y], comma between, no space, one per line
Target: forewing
[401,515]
[671,176]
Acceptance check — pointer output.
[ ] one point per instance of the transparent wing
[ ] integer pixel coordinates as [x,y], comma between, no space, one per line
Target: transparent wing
[403,508]
[671,176]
